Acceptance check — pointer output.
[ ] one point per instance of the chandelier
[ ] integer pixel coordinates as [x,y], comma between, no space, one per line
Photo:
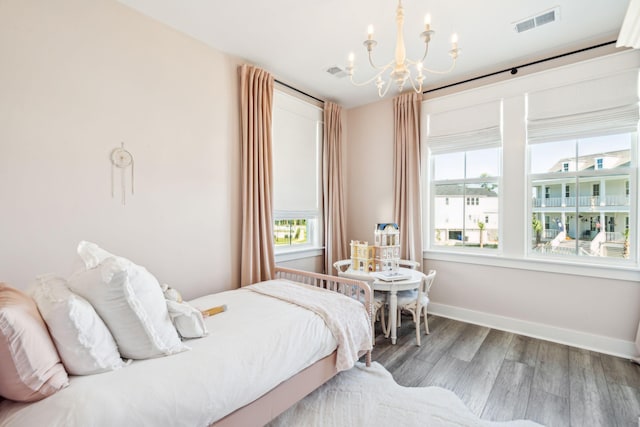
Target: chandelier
[399,67]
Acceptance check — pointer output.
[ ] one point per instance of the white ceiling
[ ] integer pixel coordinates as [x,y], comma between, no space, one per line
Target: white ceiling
[297,41]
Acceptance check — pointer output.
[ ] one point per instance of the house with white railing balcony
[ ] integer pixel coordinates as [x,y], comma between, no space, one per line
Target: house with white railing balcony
[587,202]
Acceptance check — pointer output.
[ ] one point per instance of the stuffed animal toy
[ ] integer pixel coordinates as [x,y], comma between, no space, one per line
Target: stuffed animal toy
[171,294]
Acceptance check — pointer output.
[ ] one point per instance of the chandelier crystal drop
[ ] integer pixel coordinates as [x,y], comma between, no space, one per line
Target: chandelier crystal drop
[399,69]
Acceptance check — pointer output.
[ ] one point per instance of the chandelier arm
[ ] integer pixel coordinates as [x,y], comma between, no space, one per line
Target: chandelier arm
[413,85]
[372,79]
[426,51]
[453,64]
[382,68]
[381,93]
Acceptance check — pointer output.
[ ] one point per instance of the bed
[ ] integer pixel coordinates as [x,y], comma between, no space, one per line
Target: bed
[260,356]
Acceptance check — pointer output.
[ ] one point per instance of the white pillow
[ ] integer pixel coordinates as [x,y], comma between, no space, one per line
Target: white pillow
[92,254]
[130,301]
[83,341]
[187,319]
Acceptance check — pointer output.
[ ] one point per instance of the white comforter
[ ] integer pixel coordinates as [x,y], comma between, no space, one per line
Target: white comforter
[240,360]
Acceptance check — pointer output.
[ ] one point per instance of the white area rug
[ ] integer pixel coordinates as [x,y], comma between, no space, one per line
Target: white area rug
[370,397]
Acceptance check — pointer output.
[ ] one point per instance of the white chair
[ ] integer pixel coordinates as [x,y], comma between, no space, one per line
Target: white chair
[377,312]
[416,301]
[414,265]
[342,265]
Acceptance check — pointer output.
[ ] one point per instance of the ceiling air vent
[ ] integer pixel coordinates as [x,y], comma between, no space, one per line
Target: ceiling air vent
[538,20]
[336,71]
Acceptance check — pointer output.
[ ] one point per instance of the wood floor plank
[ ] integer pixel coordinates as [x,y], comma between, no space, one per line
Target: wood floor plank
[510,394]
[621,371]
[548,409]
[588,404]
[511,377]
[438,342]
[524,350]
[552,369]
[468,342]
[626,404]
[477,380]
[445,373]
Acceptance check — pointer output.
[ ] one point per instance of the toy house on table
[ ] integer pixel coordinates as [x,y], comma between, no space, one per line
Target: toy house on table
[384,255]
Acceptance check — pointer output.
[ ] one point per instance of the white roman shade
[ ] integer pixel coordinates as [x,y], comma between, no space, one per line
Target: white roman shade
[596,107]
[297,132]
[472,128]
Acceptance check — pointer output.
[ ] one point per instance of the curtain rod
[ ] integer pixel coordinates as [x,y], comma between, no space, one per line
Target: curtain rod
[298,90]
[514,70]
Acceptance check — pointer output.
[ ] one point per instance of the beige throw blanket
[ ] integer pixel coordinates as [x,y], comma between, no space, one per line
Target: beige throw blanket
[346,318]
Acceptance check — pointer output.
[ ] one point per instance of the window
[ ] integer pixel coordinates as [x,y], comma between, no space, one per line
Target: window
[297,139]
[560,138]
[591,125]
[466,160]
[593,222]
[599,163]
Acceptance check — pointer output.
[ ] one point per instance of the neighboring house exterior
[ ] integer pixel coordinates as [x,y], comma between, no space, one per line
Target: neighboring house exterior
[458,211]
[601,203]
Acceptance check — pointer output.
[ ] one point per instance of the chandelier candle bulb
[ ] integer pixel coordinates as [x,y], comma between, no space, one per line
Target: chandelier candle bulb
[427,22]
[454,40]
[370,32]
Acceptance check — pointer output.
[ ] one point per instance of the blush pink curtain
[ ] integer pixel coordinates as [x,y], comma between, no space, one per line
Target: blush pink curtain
[256,103]
[332,188]
[407,209]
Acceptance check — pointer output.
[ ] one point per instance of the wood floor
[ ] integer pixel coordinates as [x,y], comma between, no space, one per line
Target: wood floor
[503,376]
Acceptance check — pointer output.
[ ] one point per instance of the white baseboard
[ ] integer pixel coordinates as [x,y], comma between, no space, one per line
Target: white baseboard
[597,343]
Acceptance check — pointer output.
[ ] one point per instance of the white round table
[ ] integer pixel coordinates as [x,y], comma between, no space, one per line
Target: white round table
[392,286]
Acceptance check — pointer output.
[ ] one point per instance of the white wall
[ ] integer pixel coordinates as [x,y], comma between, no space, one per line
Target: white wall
[560,303]
[78,78]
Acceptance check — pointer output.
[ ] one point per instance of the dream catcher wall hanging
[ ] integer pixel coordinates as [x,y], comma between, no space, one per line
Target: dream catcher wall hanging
[121,159]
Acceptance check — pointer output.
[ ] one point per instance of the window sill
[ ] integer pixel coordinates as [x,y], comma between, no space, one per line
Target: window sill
[283,255]
[630,272]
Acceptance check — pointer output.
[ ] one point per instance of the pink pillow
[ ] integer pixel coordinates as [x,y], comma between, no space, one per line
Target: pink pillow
[31,369]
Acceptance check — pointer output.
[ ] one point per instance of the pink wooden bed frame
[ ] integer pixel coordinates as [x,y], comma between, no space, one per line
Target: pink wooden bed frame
[273,403]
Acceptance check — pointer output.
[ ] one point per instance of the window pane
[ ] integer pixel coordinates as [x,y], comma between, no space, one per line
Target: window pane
[448,215]
[481,163]
[466,215]
[481,217]
[604,152]
[553,157]
[448,166]
[586,217]
[289,232]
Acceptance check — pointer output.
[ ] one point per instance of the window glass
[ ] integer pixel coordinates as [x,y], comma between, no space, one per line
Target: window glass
[466,212]
[290,232]
[448,166]
[483,163]
[584,211]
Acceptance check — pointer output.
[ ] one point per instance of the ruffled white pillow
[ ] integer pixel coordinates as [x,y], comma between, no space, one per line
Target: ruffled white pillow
[129,300]
[83,341]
